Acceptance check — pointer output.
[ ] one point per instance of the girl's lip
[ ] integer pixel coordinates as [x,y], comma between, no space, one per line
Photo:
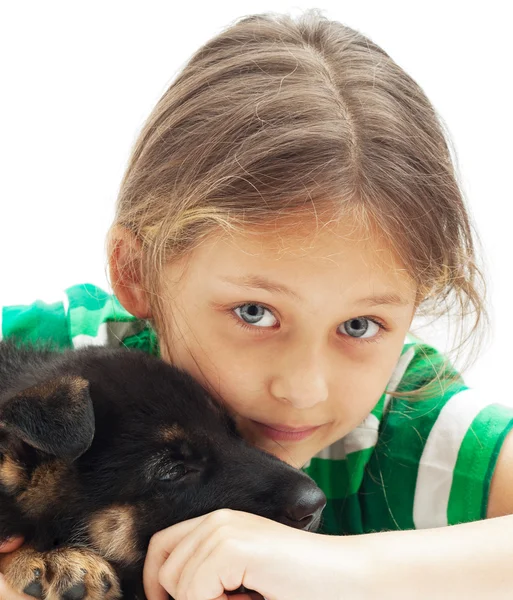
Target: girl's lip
[289,429]
[284,433]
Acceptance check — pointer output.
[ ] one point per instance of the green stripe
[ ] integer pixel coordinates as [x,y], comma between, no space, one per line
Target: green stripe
[84,321]
[87,296]
[331,476]
[475,464]
[145,340]
[427,366]
[37,322]
[388,488]
[342,516]
[357,463]
[342,477]
[377,411]
[90,307]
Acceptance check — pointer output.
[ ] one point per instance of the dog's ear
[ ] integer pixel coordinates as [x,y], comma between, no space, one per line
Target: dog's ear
[56,416]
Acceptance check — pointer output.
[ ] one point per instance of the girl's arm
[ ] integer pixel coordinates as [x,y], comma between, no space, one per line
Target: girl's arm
[199,558]
[472,560]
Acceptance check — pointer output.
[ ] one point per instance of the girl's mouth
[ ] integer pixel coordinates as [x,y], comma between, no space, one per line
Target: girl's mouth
[283,433]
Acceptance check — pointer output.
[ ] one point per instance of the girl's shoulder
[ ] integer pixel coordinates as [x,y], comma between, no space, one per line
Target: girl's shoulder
[435,453]
[82,315]
[417,460]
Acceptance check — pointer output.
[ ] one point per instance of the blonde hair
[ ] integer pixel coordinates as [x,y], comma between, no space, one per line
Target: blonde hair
[275,116]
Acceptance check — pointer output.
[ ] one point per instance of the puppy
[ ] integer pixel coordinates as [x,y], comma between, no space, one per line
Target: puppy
[102,448]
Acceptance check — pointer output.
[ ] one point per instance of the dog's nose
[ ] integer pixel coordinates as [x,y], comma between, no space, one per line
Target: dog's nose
[304,506]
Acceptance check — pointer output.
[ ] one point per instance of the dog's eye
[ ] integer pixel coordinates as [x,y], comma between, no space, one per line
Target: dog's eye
[175,473]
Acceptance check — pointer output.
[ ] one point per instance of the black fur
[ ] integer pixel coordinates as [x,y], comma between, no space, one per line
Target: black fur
[130,430]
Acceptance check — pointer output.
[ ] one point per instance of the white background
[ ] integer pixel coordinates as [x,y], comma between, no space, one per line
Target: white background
[78,80]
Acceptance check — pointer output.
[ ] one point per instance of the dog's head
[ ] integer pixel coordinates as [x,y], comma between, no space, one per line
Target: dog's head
[113,446]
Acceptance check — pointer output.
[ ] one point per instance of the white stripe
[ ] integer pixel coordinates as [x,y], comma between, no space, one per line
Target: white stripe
[363,437]
[334,452]
[110,333]
[65,303]
[100,339]
[436,466]
[399,371]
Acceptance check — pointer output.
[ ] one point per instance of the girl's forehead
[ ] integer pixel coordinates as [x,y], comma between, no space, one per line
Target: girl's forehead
[309,240]
[340,250]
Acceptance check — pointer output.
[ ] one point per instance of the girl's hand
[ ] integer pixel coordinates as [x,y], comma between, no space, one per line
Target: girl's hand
[7,593]
[201,558]
[10,545]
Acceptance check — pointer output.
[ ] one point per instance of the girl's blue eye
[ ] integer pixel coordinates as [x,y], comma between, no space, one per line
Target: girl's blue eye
[255,314]
[361,327]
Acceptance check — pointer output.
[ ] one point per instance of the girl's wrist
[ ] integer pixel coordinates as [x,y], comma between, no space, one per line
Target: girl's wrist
[470,560]
[389,564]
[380,564]
[354,560]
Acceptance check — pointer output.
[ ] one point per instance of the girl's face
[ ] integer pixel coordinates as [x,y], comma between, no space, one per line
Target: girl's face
[290,330]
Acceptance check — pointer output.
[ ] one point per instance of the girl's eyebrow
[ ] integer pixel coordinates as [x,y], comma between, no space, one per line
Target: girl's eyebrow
[259,282]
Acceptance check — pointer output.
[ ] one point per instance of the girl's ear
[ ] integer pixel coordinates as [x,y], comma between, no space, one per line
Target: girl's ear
[124,251]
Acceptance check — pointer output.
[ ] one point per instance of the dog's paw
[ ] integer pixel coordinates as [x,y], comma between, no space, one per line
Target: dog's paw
[61,574]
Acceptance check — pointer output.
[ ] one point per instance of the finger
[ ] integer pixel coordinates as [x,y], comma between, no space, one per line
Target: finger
[212,575]
[178,571]
[7,593]
[161,546]
[11,544]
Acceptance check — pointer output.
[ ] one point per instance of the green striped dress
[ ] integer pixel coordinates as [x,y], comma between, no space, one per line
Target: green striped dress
[410,464]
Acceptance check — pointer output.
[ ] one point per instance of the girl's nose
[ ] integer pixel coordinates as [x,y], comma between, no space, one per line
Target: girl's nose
[300,381]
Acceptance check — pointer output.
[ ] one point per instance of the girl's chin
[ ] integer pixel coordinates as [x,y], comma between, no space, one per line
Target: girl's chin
[296,454]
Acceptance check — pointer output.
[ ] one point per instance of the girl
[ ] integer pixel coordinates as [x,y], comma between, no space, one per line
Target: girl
[288,208]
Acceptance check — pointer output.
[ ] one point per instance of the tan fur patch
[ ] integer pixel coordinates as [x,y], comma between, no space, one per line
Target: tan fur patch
[173,433]
[58,570]
[19,566]
[73,385]
[12,474]
[49,482]
[112,533]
